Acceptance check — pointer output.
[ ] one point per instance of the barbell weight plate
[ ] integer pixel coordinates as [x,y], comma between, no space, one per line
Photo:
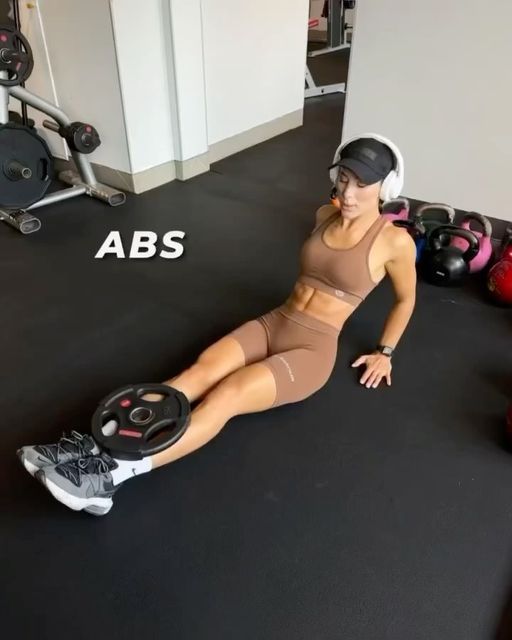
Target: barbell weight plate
[18,70]
[82,137]
[26,166]
[143,427]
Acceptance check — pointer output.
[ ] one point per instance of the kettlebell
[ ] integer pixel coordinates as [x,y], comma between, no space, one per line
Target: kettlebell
[505,249]
[425,214]
[499,282]
[417,232]
[443,264]
[396,209]
[484,254]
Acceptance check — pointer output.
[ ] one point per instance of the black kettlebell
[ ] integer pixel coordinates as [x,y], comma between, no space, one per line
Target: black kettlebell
[444,265]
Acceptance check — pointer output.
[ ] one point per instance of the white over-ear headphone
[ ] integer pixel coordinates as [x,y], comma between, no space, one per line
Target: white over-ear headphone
[393,183]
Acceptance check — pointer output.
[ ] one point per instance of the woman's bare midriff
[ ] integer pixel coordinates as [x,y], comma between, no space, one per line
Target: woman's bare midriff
[320,305]
[327,308]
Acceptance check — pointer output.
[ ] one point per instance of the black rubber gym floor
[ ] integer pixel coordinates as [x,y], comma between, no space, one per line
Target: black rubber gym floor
[356,514]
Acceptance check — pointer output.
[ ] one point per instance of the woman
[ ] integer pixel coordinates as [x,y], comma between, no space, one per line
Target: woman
[287,354]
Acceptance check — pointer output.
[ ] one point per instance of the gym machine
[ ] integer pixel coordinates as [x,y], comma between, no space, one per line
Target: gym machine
[26,163]
[336,36]
[334,11]
[312,89]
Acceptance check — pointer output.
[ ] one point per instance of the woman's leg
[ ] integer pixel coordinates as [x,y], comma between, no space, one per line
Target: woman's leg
[283,377]
[215,363]
[248,390]
[91,482]
[244,346]
[290,375]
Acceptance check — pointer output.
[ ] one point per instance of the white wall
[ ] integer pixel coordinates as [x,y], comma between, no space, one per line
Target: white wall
[41,81]
[255,56]
[183,35]
[83,69]
[164,79]
[141,55]
[435,77]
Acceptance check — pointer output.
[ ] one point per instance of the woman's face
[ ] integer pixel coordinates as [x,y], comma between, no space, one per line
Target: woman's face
[355,197]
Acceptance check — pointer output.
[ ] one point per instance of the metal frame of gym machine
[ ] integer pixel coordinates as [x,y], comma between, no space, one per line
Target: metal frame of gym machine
[83,182]
[336,36]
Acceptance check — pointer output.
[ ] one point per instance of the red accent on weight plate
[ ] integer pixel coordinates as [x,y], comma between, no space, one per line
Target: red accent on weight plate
[130,434]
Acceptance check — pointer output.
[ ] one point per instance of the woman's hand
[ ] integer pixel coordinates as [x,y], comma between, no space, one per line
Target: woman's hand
[378,366]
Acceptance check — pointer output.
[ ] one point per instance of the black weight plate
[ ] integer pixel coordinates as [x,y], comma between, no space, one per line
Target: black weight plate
[22,145]
[19,72]
[82,137]
[143,427]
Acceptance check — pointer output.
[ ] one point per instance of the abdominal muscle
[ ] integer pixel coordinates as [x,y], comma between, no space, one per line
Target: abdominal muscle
[326,307]
[320,305]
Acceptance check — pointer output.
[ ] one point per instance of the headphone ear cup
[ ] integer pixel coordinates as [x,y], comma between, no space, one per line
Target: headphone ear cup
[390,187]
[385,191]
[333,175]
[398,184]
[383,194]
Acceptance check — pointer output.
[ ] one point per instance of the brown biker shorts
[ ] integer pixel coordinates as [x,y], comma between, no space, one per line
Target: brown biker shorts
[299,350]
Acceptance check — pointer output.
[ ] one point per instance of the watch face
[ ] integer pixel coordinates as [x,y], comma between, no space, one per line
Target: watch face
[387,351]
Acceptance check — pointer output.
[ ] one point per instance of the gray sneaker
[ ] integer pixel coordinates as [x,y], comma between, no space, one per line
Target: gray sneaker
[85,483]
[68,448]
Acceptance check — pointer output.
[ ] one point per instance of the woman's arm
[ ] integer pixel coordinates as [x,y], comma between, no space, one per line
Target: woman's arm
[402,272]
[401,268]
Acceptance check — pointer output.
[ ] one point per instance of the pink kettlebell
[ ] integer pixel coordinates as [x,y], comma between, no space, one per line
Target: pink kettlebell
[396,209]
[483,256]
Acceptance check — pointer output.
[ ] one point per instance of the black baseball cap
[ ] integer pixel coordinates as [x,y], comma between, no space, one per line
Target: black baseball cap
[368,158]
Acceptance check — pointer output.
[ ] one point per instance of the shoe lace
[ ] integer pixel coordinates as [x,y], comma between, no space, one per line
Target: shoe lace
[75,442]
[88,467]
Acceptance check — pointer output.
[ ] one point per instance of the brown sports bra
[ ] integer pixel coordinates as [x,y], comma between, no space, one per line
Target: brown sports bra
[343,273]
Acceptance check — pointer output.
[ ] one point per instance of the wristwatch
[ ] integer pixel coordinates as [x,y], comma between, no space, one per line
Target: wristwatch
[386,351]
